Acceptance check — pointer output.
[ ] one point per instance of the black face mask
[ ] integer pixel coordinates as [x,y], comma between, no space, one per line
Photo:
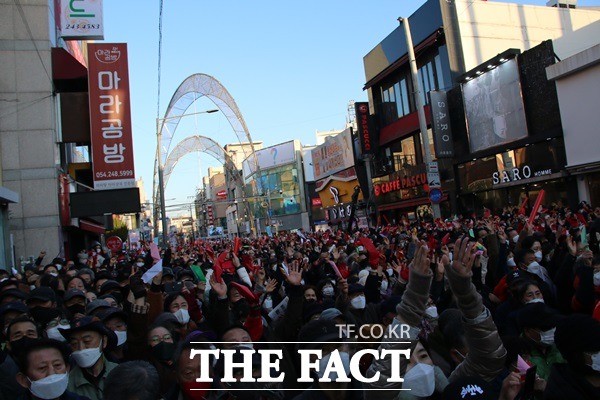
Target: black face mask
[76,309]
[163,351]
[39,313]
[240,308]
[18,346]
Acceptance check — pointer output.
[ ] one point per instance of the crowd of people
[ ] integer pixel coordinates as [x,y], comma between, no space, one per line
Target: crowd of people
[490,307]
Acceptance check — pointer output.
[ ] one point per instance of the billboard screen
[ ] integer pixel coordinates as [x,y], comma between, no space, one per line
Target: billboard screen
[494,107]
[110,116]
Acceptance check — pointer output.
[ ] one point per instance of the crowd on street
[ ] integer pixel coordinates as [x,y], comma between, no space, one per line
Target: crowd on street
[499,305]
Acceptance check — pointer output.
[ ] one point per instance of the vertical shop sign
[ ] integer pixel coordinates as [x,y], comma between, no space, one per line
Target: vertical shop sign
[110,116]
[440,123]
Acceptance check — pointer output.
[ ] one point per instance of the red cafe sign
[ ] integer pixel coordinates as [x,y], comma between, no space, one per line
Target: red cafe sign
[400,184]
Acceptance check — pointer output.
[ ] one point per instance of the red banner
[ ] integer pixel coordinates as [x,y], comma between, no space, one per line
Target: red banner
[110,116]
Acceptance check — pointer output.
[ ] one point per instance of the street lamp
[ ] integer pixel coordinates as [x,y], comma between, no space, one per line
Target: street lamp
[160,122]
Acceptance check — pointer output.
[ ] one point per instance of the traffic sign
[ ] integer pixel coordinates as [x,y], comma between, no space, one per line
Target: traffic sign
[432,166]
[433,180]
[435,195]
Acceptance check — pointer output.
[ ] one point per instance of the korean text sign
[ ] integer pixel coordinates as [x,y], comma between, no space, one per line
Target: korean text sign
[110,116]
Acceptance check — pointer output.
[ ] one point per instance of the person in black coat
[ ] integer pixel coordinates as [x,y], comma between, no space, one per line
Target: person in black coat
[578,339]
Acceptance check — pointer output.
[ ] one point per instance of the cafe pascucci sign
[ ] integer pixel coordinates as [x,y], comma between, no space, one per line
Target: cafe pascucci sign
[517,174]
[400,183]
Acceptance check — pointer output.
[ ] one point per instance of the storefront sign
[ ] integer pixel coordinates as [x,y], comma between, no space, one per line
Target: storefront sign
[365,131]
[222,193]
[400,184]
[338,213]
[316,202]
[110,116]
[517,174]
[440,124]
[81,20]
[334,192]
[335,155]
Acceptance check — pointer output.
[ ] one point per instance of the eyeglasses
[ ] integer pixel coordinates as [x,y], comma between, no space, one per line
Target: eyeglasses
[157,339]
[55,323]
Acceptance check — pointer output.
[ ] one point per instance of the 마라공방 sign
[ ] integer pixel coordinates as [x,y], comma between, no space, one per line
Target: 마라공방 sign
[110,116]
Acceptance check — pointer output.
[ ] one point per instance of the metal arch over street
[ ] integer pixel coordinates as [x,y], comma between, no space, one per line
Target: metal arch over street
[193,144]
[185,95]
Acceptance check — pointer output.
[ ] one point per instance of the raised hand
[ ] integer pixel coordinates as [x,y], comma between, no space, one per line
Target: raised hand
[464,257]
[271,285]
[572,246]
[421,262]
[220,288]
[294,276]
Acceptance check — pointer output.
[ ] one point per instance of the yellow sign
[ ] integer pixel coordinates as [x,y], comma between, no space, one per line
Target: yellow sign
[338,192]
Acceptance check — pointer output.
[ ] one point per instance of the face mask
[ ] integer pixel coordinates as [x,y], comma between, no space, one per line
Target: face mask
[538,256]
[268,304]
[139,264]
[328,291]
[58,266]
[39,313]
[358,303]
[535,301]
[163,351]
[31,287]
[511,262]
[121,337]
[534,268]
[54,274]
[432,311]
[596,362]
[451,256]
[18,346]
[384,286]
[420,379]
[76,309]
[183,316]
[597,278]
[547,337]
[515,239]
[200,394]
[50,387]
[390,271]
[88,357]
[53,333]
[345,357]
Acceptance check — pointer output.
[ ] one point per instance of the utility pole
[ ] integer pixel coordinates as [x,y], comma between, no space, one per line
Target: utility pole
[417,90]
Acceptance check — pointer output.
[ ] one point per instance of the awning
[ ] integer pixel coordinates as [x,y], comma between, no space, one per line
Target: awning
[8,196]
[91,227]
[407,203]
[65,66]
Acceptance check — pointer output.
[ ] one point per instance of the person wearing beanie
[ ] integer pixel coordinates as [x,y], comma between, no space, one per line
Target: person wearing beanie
[578,339]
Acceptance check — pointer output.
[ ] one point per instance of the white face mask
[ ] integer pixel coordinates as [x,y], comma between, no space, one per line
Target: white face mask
[121,337]
[534,268]
[139,264]
[596,362]
[54,274]
[390,271]
[53,333]
[538,256]
[182,315]
[384,286]
[87,357]
[268,304]
[358,303]
[511,262]
[50,387]
[420,379]
[432,311]
[539,300]
[516,239]
[547,337]
[328,291]
[597,278]
[345,357]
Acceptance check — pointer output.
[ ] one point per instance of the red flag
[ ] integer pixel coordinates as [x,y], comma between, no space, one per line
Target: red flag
[536,207]
[237,243]
[523,205]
